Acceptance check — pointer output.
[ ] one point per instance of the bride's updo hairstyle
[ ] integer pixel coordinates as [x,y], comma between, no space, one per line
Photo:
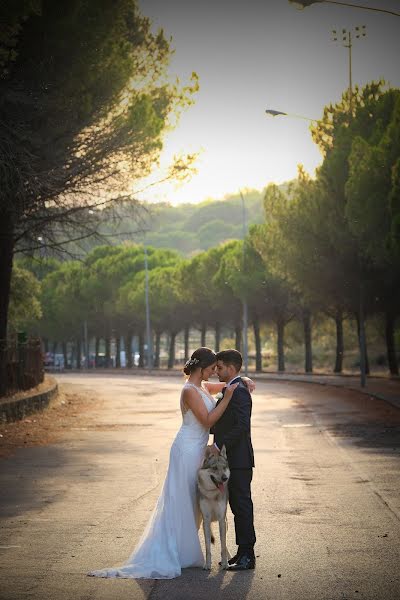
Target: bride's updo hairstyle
[200,359]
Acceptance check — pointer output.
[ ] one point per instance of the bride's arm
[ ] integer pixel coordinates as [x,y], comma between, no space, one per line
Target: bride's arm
[215,387]
[193,400]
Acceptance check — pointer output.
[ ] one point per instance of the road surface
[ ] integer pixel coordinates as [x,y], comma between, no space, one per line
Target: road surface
[326,492]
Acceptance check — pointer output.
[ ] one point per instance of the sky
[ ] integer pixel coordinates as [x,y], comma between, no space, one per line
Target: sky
[257,54]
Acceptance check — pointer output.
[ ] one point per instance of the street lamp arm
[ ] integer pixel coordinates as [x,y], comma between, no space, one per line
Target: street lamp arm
[276,113]
[381,10]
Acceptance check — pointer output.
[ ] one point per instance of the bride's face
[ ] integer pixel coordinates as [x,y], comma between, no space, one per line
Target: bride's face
[209,371]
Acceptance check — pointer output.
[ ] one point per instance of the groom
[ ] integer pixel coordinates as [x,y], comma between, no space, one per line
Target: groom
[233,431]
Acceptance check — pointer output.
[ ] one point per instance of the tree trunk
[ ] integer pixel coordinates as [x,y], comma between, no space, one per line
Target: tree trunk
[308,360]
[128,350]
[78,353]
[118,352]
[108,352]
[65,354]
[6,265]
[96,351]
[141,351]
[203,335]
[217,336]
[54,347]
[45,344]
[238,337]
[157,350]
[257,340]
[390,343]
[365,345]
[171,351]
[339,341]
[186,342]
[280,329]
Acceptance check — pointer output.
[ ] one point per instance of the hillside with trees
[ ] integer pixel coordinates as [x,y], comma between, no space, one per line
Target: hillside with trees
[186,228]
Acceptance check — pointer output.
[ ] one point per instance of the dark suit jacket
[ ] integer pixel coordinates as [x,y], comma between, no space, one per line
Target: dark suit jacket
[233,429]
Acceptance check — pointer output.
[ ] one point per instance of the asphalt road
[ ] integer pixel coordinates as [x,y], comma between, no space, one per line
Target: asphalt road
[326,492]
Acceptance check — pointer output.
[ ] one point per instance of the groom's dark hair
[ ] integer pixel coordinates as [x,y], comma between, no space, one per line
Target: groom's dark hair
[231,357]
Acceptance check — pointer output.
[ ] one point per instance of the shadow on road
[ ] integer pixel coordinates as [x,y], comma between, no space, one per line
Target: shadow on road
[197,584]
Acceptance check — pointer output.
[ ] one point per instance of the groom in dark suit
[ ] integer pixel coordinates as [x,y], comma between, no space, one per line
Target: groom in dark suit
[233,431]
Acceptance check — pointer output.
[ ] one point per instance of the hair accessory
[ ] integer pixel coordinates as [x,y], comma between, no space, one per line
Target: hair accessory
[191,361]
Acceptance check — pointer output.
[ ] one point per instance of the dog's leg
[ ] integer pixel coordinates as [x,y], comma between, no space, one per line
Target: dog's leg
[226,525]
[222,537]
[207,539]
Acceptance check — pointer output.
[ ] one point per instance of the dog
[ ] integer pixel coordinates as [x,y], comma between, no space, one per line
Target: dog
[212,490]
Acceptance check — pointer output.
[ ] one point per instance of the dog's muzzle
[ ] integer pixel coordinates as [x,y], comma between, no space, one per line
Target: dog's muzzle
[219,484]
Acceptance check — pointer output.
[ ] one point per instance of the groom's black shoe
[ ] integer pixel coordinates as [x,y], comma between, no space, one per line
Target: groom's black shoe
[243,563]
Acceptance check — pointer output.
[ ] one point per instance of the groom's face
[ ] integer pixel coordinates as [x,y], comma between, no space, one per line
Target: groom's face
[225,372]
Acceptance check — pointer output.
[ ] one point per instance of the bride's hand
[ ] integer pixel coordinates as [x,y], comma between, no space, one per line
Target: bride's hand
[229,391]
[249,383]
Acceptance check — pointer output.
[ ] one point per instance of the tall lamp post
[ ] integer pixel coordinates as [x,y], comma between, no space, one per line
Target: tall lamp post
[148,325]
[305,4]
[347,42]
[245,306]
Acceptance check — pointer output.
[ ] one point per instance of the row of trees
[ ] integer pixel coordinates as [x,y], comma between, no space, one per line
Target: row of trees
[329,245]
[336,239]
[107,292]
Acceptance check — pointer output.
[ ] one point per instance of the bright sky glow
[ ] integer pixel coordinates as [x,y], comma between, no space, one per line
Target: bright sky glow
[255,55]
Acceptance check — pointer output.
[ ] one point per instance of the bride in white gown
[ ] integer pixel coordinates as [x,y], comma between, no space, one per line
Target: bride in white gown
[170,541]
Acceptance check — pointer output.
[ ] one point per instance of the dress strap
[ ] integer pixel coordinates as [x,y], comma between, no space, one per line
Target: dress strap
[184,409]
[200,389]
[197,387]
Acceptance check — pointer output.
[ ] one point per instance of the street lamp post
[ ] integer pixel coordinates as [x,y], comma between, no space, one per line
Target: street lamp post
[245,306]
[148,326]
[347,42]
[305,4]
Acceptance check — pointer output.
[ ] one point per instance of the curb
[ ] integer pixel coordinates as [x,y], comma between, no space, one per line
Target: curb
[15,409]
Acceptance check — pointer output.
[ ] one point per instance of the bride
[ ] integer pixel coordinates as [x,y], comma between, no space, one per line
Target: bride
[170,541]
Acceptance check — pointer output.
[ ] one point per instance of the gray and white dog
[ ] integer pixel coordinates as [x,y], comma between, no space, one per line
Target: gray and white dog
[212,488]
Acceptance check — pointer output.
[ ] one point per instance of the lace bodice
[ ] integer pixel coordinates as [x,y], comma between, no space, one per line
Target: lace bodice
[188,417]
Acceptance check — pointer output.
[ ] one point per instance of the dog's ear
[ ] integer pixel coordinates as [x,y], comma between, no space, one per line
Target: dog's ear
[223,452]
[207,452]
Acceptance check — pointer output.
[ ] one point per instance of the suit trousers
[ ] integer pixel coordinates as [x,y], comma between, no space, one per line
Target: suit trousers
[242,507]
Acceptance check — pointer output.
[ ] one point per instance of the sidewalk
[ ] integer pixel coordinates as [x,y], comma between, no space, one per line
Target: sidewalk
[383,388]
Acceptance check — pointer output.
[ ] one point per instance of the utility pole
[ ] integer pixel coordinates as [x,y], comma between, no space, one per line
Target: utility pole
[148,327]
[347,42]
[245,307]
[86,342]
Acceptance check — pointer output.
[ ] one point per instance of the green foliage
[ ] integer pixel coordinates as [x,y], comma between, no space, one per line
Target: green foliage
[25,308]
[371,186]
[188,228]
[63,304]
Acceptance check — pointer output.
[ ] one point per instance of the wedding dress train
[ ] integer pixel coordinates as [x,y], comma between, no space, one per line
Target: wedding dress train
[170,541]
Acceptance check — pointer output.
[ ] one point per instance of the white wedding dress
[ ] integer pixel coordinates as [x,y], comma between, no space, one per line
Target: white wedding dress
[170,541]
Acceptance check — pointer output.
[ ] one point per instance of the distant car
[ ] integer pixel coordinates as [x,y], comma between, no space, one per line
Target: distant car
[54,361]
[48,360]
